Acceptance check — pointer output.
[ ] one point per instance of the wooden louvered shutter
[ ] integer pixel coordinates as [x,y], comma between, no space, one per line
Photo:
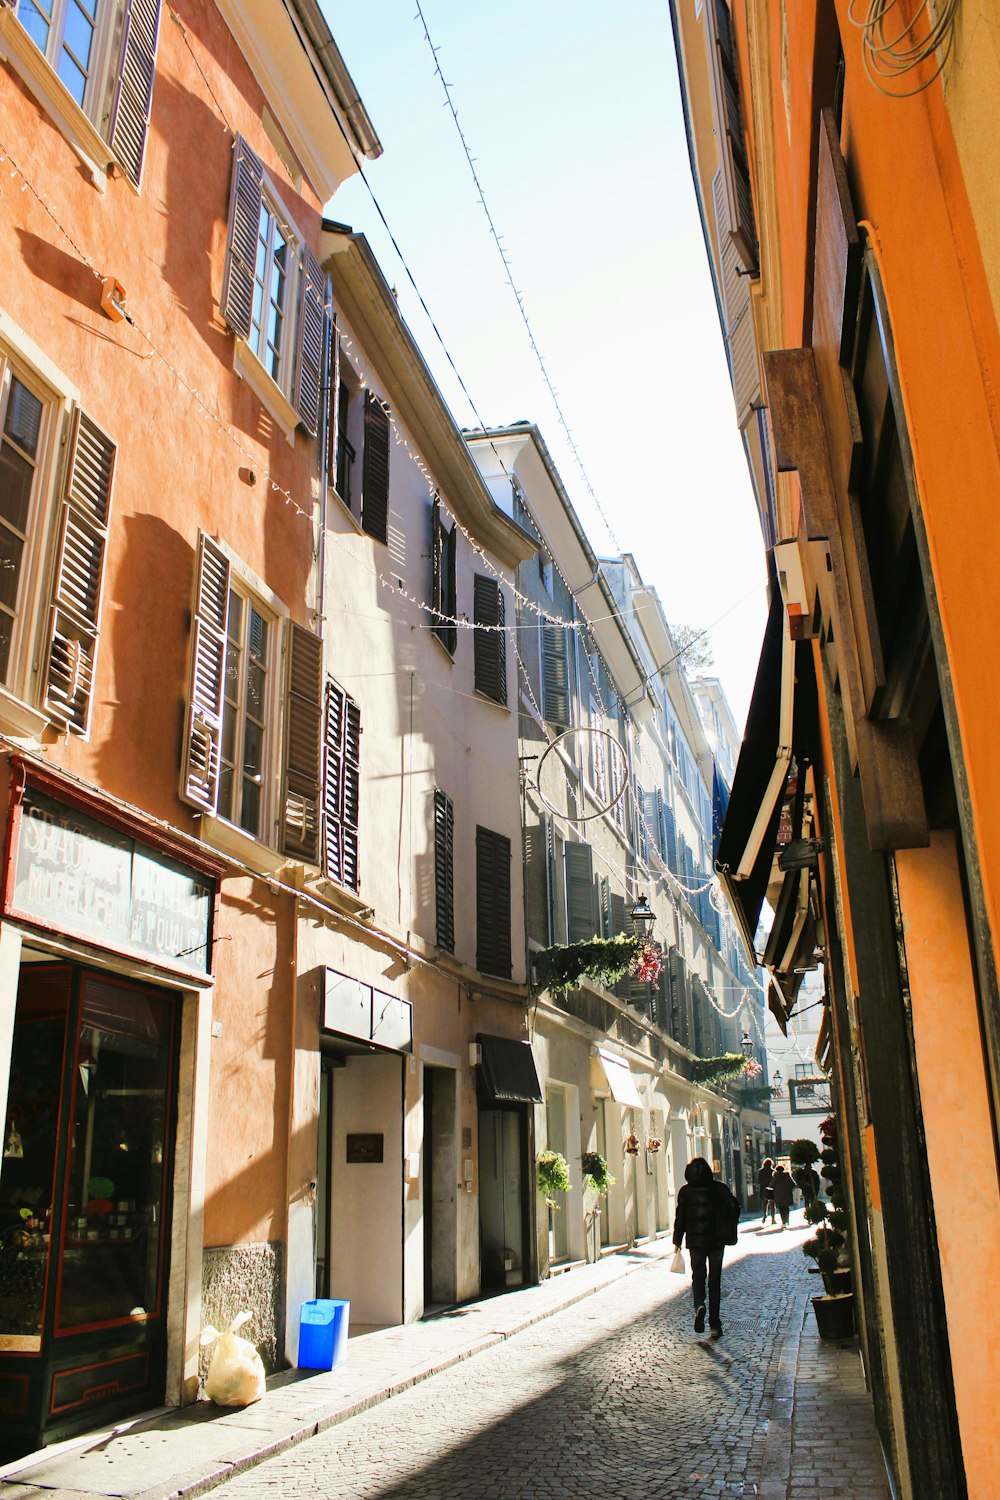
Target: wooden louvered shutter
[617,913]
[732,142]
[493,943]
[581,917]
[555,676]
[332,398]
[649,810]
[341,787]
[490,650]
[375,472]
[206,692]
[444,869]
[312,328]
[129,122]
[79,571]
[244,225]
[303,726]
[740,341]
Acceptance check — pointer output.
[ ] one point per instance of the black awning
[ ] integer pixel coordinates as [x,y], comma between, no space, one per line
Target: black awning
[507,1073]
[750,830]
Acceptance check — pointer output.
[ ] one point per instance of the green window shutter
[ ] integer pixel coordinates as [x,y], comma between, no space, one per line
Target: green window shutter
[444,578]
[312,338]
[79,574]
[303,734]
[555,676]
[493,941]
[581,913]
[444,869]
[206,691]
[375,470]
[244,222]
[490,646]
[129,122]
[331,404]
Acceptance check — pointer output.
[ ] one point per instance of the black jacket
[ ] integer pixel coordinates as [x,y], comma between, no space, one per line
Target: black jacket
[707,1213]
[784,1189]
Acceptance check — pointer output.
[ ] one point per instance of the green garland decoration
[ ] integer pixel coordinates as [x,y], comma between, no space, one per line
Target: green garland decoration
[604,960]
[717,1069]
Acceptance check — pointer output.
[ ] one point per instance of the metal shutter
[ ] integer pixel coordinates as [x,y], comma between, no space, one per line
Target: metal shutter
[129,122]
[206,691]
[375,472]
[303,734]
[79,573]
[244,225]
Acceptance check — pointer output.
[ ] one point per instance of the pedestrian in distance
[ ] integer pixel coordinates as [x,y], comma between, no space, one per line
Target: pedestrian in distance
[783,1191]
[765,1177]
[708,1217]
[807,1180]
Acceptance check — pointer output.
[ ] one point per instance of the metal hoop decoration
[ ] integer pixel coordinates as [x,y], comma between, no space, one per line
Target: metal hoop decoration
[610,806]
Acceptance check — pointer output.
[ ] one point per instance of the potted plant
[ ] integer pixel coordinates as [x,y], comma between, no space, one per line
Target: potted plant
[595,1172]
[828,1246]
[553,1176]
[802,1155]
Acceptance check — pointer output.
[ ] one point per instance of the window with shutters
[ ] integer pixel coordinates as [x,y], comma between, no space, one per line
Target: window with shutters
[581,893]
[253,731]
[493,909]
[444,578]
[91,65]
[444,870]
[274,299]
[490,653]
[56,483]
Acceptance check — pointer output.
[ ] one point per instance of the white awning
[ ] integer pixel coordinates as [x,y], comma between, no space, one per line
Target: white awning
[620,1079]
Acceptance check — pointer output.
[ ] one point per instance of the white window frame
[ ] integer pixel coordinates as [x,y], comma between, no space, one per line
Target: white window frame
[22,691]
[80,125]
[276,394]
[228,832]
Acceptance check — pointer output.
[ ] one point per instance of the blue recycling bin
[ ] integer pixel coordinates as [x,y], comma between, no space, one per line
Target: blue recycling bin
[323,1325]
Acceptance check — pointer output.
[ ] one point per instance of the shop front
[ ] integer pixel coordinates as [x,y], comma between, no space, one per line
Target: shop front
[101,937]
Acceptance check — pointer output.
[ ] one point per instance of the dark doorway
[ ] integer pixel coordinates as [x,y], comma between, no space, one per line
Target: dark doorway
[502,1198]
[440,1186]
[85,1202]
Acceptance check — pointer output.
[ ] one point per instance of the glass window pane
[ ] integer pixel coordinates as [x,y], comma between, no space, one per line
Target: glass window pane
[250,812]
[24,417]
[119,1148]
[16,478]
[73,77]
[11,548]
[6,632]
[256,686]
[253,749]
[226,793]
[29,1154]
[36,18]
[78,38]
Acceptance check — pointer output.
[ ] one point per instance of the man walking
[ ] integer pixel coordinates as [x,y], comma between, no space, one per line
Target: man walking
[708,1217]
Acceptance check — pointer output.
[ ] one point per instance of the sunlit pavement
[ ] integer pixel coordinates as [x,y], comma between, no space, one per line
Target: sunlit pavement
[592,1384]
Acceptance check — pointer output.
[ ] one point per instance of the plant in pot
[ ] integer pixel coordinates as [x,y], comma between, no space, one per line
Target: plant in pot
[553,1176]
[595,1172]
[802,1156]
[828,1245]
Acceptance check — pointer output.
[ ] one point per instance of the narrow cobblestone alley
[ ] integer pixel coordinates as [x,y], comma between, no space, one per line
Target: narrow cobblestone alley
[615,1396]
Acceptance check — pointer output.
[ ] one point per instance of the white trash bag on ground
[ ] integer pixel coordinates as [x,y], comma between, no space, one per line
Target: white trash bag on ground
[236,1370]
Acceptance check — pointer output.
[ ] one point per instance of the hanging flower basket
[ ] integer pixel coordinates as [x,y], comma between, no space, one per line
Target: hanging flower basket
[632,1145]
[648,963]
[595,1172]
[604,960]
[553,1176]
[752,1068]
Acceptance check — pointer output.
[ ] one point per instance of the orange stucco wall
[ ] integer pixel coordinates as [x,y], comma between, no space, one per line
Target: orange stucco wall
[958,1132]
[167,401]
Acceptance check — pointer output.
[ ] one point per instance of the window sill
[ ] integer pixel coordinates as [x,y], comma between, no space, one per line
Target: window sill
[241,845]
[348,512]
[268,391]
[20,720]
[485,698]
[19,51]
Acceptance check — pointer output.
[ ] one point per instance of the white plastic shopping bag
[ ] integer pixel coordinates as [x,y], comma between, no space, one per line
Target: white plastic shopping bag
[236,1370]
[677,1264]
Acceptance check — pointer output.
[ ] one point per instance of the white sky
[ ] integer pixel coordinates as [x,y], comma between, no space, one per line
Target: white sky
[571,111]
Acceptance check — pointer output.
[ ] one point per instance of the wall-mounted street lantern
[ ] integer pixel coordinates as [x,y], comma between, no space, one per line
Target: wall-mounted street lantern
[643,917]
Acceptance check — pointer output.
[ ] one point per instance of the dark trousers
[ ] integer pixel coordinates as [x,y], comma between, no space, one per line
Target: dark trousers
[713,1260]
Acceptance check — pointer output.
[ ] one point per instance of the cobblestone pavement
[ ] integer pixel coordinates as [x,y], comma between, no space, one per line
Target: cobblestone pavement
[613,1397]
